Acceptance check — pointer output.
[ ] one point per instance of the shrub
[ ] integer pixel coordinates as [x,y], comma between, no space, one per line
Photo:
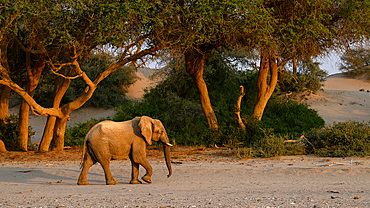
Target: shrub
[272,145]
[343,139]
[291,117]
[75,135]
[9,134]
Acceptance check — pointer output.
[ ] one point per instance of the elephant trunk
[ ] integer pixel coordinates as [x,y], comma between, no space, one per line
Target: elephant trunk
[166,150]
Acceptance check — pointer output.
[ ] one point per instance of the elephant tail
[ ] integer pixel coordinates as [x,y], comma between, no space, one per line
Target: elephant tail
[83,154]
[85,146]
[88,150]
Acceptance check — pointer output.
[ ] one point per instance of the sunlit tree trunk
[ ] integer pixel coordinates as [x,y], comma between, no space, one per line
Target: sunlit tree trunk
[4,90]
[4,102]
[57,144]
[266,84]
[194,63]
[61,86]
[24,111]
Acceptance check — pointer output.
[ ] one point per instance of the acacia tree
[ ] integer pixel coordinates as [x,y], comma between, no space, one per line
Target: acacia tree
[301,29]
[71,32]
[193,28]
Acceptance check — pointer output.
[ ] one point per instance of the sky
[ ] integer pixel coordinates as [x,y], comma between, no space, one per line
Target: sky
[330,63]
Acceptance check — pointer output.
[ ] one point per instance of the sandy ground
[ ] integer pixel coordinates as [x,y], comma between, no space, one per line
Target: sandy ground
[207,178]
[201,177]
[341,100]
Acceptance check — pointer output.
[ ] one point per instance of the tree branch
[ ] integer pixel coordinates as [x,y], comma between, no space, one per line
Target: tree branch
[237,108]
[27,50]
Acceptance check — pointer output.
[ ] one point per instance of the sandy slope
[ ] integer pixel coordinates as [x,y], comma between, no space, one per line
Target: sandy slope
[341,100]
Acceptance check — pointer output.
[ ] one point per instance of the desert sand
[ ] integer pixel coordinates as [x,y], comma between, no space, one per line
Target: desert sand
[209,179]
[340,99]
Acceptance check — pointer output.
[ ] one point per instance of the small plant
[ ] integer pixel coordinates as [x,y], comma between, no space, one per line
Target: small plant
[343,139]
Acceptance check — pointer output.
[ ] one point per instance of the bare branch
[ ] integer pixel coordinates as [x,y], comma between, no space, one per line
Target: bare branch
[237,108]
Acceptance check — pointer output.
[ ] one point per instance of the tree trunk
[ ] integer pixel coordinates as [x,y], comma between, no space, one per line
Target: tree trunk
[47,136]
[24,112]
[33,76]
[4,90]
[61,86]
[265,87]
[57,144]
[4,102]
[294,66]
[194,63]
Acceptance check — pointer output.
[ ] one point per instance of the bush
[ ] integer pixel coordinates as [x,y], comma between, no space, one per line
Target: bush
[9,134]
[309,78]
[272,145]
[75,135]
[343,139]
[291,117]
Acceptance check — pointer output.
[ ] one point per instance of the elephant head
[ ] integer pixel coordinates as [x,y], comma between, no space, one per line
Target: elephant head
[153,130]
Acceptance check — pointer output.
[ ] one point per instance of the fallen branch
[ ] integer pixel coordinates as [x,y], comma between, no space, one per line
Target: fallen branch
[299,140]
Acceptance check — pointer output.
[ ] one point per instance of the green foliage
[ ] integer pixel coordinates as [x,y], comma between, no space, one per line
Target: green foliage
[355,61]
[309,78]
[9,134]
[272,145]
[343,139]
[291,117]
[75,135]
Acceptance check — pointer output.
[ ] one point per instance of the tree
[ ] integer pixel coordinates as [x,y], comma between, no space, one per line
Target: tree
[193,28]
[355,60]
[301,29]
[72,31]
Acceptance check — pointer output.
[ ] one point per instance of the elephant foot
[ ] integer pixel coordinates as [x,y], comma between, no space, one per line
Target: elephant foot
[112,182]
[147,179]
[135,181]
[83,183]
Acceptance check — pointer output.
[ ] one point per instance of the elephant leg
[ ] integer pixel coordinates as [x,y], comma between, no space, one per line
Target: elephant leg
[108,174]
[87,163]
[134,171]
[149,170]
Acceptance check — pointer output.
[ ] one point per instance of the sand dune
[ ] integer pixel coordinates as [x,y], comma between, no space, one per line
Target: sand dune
[341,100]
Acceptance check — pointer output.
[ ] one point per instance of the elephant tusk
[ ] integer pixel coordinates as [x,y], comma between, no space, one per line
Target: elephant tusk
[168,144]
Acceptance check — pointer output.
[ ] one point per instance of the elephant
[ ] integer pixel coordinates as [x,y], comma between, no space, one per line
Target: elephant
[109,140]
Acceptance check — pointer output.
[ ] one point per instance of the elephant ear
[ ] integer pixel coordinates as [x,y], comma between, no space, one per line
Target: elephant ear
[146,127]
